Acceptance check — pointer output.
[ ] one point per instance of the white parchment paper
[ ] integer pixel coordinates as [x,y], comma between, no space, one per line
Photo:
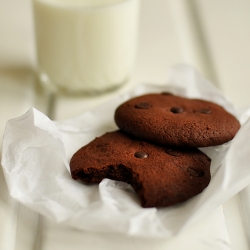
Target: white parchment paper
[36,152]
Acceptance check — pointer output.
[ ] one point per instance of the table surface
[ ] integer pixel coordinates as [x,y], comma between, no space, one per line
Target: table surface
[213,36]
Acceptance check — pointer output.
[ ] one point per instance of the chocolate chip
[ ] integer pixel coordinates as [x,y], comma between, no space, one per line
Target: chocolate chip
[176,110]
[204,111]
[173,152]
[141,154]
[195,172]
[143,105]
[166,93]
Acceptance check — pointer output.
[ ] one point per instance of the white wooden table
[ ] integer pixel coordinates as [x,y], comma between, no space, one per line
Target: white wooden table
[213,36]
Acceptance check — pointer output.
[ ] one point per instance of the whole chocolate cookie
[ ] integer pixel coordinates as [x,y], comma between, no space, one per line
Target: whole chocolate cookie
[173,120]
[161,176]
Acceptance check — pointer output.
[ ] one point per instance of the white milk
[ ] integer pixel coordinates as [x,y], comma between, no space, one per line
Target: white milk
[85,45]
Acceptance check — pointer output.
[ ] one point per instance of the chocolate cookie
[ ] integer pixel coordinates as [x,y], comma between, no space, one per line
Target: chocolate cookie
[173,120]
[161,176]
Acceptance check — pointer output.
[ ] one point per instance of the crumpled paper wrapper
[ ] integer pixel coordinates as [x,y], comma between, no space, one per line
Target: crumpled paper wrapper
[36,154]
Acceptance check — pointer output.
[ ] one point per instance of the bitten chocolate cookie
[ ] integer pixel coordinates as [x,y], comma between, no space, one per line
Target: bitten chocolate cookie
[161,176]
[169,119]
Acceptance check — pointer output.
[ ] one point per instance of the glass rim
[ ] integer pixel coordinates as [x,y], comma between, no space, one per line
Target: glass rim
[86,8]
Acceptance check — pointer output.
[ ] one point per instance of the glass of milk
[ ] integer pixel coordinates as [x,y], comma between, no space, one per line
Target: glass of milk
[85,46]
